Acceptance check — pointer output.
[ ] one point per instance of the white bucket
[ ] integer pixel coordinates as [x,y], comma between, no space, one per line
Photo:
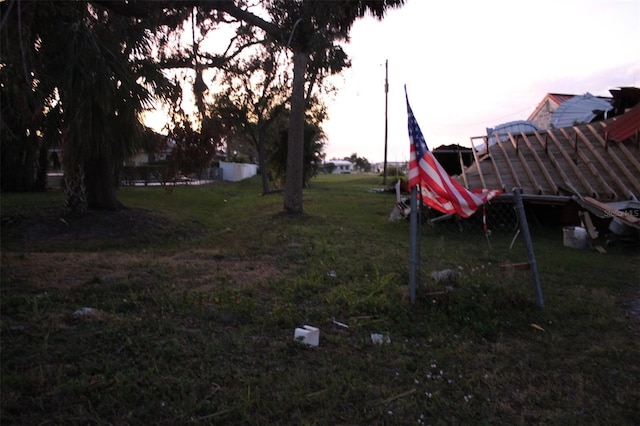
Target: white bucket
[576,237]
[308,335]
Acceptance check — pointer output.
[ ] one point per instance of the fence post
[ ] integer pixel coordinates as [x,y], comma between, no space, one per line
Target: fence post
[524,227]
[414,261]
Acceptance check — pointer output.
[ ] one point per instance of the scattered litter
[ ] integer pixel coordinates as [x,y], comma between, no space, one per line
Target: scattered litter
[537,327]
[444,275]
[83,311]
[401,210]
[380,190]
[402,395]
[340,324]
[379,339]
[448,289]
[308,335]
[332,274]
[513,241]
[576,237]
[512,266]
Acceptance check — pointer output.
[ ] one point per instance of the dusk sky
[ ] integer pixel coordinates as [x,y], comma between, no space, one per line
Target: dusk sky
[470,65]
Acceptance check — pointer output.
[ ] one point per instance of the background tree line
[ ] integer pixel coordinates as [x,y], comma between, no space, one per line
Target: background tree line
[78,76]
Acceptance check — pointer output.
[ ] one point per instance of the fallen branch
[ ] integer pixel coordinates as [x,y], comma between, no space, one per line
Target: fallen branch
[402,395]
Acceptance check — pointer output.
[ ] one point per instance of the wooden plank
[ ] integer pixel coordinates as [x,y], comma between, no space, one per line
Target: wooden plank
[477,161]
[554,161]
[633,159]
[591,230]
[463,168]
[496,170]
[587,161]
[630,157]
[607,166]
[541,164]
[610,211]
[588,225]
[514,175]
[525,165]
[571,164]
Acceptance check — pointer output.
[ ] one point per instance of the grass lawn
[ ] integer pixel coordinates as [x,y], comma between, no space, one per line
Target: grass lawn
[182,310]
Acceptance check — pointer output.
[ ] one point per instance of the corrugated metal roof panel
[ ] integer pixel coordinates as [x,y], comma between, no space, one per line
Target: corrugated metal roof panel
[503,130]
[625,126]
[578,110]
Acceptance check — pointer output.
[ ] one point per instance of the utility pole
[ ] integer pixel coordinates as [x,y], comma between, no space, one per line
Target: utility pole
[386,117]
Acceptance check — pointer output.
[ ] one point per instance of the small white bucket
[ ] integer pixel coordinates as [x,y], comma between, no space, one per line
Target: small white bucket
[576,237]
[308,335]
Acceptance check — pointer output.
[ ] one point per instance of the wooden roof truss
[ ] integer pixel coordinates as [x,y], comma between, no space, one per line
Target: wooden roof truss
[576,160]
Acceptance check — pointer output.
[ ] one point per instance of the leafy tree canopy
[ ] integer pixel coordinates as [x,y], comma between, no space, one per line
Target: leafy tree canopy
[81,73]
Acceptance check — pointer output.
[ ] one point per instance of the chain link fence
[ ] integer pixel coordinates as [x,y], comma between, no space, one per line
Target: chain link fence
[495,217]
[488,249]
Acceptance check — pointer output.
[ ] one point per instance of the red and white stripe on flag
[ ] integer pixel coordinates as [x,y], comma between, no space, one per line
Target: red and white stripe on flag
[439,191]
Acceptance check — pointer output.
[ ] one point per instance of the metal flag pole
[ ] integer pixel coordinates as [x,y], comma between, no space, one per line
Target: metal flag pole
[386,117]
[414,261]
[524,226]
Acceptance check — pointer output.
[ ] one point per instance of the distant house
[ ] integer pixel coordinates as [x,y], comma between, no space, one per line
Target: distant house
[337,167]
[561,110]
[143,157]
[541,116]
[397,167]
[156,148]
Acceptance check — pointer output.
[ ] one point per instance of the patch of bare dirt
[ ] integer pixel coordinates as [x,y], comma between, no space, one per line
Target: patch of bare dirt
[633,306]
[201,271]
[40,251]
[98,224]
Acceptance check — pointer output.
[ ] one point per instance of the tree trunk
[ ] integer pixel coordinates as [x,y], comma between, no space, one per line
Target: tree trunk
[43,167]
[100,183]
[262,162]
[295,142]
[75,202]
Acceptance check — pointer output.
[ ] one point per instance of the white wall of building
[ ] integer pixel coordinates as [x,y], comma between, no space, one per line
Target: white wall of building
[341,166]
[235,172]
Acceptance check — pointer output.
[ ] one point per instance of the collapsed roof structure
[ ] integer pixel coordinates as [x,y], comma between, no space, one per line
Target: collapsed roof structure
[588,163]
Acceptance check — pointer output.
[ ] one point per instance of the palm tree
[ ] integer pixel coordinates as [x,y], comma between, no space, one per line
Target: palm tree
[90,64]
[23,97]
[77,76]
[89,53]
[101,102]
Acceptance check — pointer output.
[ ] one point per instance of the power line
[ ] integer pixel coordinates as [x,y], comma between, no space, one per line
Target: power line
[484,122]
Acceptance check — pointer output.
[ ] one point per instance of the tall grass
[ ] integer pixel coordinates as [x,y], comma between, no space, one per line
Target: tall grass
[197,327]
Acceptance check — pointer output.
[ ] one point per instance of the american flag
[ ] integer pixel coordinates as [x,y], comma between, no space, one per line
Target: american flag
[439,191]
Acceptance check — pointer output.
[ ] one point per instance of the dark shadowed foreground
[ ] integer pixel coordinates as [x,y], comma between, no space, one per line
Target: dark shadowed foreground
[182,310]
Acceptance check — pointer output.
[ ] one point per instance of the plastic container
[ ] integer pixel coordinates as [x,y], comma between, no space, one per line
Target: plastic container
[576,237]
[308,335]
